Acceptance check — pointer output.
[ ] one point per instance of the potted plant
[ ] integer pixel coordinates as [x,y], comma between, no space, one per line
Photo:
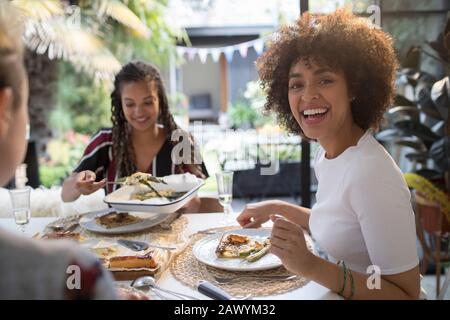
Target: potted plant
[420,120]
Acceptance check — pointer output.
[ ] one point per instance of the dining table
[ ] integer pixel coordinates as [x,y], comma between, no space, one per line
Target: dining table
[195,223]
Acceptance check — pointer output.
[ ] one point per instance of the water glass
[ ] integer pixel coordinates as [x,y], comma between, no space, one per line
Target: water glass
[20,199]
[225,191]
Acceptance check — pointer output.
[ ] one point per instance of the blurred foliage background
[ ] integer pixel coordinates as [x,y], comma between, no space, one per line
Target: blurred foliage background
[74,49]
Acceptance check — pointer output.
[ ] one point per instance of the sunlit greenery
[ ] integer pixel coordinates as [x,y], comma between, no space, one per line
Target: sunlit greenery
[128,29]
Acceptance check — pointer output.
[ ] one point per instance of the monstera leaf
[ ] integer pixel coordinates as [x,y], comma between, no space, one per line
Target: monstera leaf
[388,134]
[423,96]
[400,100]
[440,94]
[412,142]
[439,128]
[440,153]
[403,113]
[417,129]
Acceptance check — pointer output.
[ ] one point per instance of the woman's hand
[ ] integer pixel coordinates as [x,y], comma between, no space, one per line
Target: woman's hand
[85,182]
[255,214]
[288,243]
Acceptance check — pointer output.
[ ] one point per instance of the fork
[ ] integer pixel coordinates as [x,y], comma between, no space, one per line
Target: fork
[253,277]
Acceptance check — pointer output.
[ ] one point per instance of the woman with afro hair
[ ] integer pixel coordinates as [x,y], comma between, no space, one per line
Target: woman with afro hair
[330,79]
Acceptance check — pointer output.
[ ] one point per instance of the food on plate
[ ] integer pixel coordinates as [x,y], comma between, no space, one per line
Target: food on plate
[138,178]
[142,182]
[147,260]
[242,246]
[63,235]
[117,219]
[114,256]
[104,252]
[258,254]
[169,194]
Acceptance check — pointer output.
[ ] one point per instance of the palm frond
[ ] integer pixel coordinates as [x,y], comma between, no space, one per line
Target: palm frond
[41,10]
[122,14]
[60,37]
[62,40]
[101,67]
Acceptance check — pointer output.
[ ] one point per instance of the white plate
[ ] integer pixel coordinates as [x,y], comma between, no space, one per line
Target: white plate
[120,199]
[204,251]
[87,222]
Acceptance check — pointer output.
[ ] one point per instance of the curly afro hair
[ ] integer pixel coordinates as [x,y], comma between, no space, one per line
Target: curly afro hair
[340,41]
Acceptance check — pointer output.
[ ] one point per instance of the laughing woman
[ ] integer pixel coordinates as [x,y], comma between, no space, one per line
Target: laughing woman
[330,79]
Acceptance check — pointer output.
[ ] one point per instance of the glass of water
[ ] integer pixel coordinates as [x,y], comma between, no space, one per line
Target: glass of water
[20,199]
[225,190]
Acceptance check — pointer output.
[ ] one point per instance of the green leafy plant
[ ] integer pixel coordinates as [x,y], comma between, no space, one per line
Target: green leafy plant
[63,155]
[420,118]
[247,112]
[242,115]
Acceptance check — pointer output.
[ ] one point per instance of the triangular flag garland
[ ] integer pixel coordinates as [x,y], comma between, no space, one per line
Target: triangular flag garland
[228,51]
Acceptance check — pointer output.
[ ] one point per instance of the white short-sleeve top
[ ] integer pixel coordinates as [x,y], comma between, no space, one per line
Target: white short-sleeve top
[363,214]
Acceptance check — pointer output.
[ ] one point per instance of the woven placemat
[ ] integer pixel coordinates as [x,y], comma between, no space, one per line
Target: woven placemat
[187,269]
[169,233]
[166,232]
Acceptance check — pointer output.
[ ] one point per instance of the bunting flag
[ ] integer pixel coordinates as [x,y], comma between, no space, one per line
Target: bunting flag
[228,51]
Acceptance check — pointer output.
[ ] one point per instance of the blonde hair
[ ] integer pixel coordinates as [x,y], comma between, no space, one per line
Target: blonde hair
[11,49]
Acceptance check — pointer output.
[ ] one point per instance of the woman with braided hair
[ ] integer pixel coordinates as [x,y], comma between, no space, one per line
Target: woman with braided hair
[139,140]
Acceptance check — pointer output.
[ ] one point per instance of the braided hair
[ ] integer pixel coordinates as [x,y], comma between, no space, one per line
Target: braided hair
[123,149]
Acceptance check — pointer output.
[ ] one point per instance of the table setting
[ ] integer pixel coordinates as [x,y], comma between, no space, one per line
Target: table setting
[169,255]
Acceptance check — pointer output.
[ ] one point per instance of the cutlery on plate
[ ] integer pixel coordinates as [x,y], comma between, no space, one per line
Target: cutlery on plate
[208,232]
[115,182]
[141,245]
[62,228]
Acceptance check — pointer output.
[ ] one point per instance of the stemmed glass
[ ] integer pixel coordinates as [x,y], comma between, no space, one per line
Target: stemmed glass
[225,191]
[20,199]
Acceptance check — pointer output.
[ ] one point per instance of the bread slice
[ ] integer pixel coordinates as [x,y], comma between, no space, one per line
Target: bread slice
[147,260]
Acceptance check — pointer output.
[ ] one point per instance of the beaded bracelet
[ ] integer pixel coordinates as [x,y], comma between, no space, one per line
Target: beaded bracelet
[344,269]
[352,284]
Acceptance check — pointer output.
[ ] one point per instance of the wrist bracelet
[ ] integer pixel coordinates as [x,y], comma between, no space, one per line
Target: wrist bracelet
[344,269]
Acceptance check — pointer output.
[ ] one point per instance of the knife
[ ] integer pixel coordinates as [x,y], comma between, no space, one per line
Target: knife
[140,245]
[210,290]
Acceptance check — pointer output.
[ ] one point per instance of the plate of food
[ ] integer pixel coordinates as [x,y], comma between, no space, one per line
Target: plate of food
[125,263]
[237,250]
[111,221]
[144,193]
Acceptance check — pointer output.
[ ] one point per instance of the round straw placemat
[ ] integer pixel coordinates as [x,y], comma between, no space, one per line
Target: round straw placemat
[187,269]
[169,232]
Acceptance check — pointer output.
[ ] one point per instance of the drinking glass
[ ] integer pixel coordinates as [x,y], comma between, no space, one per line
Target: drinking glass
[225,191]
[20,199]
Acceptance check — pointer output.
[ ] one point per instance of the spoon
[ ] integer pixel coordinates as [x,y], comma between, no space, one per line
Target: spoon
[149,281]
